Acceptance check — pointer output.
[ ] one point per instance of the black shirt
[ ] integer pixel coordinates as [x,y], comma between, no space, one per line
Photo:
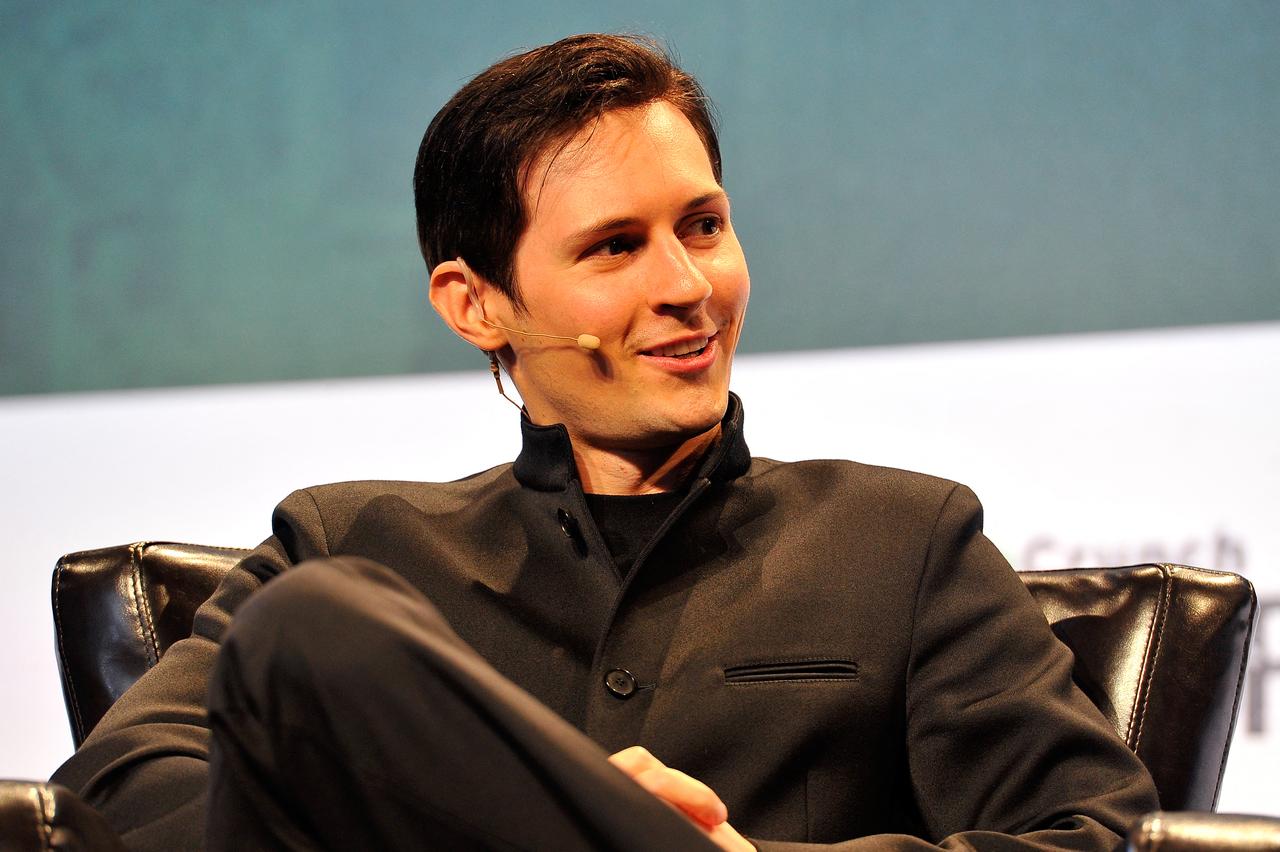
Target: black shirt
[628,521]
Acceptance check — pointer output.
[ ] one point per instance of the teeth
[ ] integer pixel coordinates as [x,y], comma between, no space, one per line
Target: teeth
[680,348]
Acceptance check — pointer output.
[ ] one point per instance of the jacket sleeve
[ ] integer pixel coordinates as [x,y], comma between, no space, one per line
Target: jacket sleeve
[1004,751]
[145,765]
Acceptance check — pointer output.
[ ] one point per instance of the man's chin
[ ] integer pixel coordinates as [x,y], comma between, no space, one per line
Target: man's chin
[677,427]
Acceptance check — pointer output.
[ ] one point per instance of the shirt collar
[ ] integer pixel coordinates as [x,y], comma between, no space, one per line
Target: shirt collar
[546,462]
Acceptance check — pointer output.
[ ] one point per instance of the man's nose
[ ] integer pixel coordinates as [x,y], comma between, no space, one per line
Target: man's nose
[678,282]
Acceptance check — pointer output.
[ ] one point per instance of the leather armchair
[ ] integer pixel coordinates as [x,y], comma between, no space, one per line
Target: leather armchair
[118,609]
[49,817]
[1194,831]
[1161,649]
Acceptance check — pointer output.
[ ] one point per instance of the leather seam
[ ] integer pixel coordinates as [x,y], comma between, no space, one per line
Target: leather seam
[1138,696]
[62,654]
[193,544]
[1162,614]
[145,621]
[1235,707]
[44,815]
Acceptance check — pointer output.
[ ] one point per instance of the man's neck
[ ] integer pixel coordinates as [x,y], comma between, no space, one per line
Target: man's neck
[610,470]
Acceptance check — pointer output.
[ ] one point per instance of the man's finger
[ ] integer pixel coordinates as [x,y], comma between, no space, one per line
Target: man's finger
[689,795]
[695,799]
[635,760]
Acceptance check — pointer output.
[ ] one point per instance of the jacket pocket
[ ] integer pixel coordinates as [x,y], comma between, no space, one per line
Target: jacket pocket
[786,671]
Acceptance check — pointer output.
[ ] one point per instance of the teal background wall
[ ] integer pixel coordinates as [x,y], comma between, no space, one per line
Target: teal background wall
[195,193]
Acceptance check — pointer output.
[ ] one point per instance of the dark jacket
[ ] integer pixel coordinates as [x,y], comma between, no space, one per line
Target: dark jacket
[834,648]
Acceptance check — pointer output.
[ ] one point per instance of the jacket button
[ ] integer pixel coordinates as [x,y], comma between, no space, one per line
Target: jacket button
[567,524]
[620,682]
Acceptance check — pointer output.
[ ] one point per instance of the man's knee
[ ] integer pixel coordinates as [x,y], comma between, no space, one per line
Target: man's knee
[320,596]
[326,624]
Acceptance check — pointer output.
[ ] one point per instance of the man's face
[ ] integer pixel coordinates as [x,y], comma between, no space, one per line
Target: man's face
[629,239]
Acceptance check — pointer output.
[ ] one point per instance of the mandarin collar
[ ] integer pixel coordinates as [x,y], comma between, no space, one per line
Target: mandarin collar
[546,462]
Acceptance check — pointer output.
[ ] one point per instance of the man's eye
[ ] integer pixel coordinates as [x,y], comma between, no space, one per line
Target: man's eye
[707,226]
[614,247]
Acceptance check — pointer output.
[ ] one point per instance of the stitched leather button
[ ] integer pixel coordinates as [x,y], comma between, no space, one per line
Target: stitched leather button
[620,682]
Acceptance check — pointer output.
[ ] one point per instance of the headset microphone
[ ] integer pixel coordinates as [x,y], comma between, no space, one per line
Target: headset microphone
[586,341]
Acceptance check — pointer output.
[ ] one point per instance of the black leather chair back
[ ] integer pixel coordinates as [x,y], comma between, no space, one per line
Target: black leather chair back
[117,609]
[1161,649]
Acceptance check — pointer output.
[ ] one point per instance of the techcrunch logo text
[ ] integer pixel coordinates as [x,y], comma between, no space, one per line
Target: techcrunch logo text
[1220,550]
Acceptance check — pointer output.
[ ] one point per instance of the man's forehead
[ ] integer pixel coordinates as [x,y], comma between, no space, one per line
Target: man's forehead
[582,151]
[655,138]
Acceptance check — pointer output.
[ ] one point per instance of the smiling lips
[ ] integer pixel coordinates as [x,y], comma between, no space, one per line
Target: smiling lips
[675,350]
[688,356]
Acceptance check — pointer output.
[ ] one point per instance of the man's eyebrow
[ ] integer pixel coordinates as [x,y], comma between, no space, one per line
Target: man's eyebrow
[606,225]
[707,198]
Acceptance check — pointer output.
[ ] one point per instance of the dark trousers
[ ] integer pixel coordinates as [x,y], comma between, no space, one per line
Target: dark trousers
[346,714]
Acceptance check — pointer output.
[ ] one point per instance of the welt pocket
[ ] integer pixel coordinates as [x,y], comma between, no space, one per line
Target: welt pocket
[785,671]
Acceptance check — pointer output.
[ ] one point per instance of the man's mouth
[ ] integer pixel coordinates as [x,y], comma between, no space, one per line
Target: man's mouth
[687,349]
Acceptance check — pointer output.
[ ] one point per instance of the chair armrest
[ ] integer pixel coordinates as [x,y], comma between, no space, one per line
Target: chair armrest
[38,816]
[1201,831]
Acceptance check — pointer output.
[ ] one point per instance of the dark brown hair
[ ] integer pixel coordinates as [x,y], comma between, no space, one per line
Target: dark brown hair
[469,177]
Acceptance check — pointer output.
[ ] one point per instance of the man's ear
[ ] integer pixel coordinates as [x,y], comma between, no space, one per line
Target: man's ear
[459,296]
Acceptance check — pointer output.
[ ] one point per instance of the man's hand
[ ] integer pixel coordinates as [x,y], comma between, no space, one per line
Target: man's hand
[688,795]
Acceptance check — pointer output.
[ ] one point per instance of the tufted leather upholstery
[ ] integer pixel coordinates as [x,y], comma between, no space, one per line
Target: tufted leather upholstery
[1161,649]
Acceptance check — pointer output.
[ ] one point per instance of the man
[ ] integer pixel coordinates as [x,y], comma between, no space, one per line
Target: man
[534,657]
